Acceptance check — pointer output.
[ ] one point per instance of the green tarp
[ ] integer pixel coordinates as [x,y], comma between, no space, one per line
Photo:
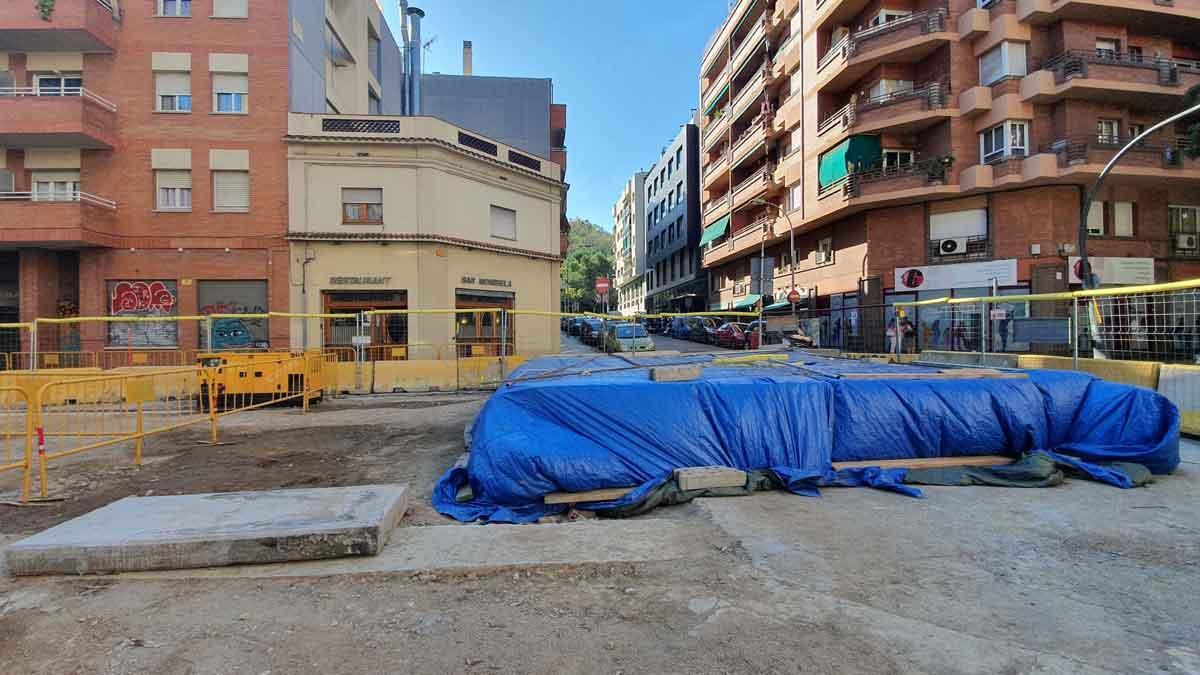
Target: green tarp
[853,154]
[747,302]
[715,231]
[709,109]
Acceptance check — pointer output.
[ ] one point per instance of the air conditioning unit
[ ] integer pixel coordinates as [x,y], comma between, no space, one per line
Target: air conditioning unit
[954,246]
[1185,242]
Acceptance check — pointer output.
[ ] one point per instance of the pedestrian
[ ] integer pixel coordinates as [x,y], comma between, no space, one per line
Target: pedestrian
[891,336]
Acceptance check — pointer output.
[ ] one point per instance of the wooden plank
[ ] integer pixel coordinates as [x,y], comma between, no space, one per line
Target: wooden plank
[927,463]
[604,495]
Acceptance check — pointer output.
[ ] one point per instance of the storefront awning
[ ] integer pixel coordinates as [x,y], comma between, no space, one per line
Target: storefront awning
[715,231]
[779,305]
[720,95]
[853,154]
[747,302]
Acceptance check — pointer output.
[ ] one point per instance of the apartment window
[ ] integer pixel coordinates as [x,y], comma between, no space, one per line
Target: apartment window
[678,156]
[174,190]
[58,85]
[504,222]
[1006,59]
[884,88]
[795,195]
[362,206]
[894,159]
[230,93]
[1122,219]
[825,251]
[1008,139]
[174,92]
[230,9]
[374,105]
[670,166]
[1135,54]
[231,191]
[1136,130]
[1107,49]
[1184,219]
[373,56]
[1108,131]
[1095,223]
[174,7]
[55,186]
[888,16]
[679,192]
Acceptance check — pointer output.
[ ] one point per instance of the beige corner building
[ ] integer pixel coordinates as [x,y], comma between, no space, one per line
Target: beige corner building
[416,213]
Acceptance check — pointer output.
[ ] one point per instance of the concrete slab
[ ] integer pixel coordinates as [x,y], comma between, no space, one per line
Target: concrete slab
[476,549]
[676,373]
[205,530]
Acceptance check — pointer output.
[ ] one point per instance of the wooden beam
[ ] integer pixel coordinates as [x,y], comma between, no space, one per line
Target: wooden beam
[604,495]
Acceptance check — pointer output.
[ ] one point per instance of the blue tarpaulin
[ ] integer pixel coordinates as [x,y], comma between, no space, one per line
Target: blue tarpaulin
[574,424]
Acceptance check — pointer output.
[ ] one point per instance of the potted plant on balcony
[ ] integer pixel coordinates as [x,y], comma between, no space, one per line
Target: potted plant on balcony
[937,168]
[45,8]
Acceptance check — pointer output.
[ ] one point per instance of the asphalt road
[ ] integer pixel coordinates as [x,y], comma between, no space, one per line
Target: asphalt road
[572,345]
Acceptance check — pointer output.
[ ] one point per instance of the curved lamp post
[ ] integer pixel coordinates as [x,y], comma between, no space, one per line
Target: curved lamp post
[791,260]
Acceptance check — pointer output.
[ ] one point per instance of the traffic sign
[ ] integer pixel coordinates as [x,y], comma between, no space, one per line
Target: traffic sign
[602,285]
[794,296]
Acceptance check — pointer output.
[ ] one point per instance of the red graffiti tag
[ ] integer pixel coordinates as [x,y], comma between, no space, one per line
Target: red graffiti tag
[141,296]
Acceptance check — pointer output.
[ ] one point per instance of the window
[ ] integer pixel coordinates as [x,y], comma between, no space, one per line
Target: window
[894,159]
[679,157]
[174,92]
[374,106]
[1108,131]
[231,191]
[55,186]
[504,222]
[1107,49]
[795,195]
[825,251]
[1122,219]
[230,93]
[888,16]
[1183,219]
[373,56]
[670,166]
[58,85]
[1003,141]
[885,87]
[174,7]
[1095,224]
[1006,59]
[1135,54]
[230,9]
[174,190]
[956,224]
[362,206]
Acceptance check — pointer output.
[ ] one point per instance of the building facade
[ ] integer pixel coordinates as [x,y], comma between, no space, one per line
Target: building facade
[415,213]
[675,280]
[924,148]
[628,294]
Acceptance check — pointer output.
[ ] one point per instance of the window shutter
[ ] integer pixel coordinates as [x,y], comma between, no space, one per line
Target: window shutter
[230,83]
[174,179]
[991,66]
[972,223]
[504,223]
[362,196]
[231,190]
[1123,219]
[173,84]
[230,9]
[1095,223]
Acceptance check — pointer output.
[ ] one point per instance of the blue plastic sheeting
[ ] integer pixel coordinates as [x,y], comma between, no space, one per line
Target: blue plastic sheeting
[579,424]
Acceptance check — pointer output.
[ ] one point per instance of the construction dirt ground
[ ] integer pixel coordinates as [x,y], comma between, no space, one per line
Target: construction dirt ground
[1079,578]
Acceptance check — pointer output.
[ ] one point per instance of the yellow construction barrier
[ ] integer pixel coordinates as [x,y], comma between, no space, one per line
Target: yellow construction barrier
[16,434]
[1137,373]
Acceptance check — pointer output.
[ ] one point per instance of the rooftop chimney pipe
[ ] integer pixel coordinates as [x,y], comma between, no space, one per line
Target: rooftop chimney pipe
[414,59]
[468,58]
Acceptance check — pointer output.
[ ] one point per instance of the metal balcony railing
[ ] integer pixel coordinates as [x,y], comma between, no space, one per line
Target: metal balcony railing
[935,95]
[759,176]
[1101,147]
[712,165]
[58,198]
[58,92]
[851,185]
[840,49]
[930,21]
[1074,63]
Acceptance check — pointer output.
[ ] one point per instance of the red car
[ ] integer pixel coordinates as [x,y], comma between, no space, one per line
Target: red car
[732,335]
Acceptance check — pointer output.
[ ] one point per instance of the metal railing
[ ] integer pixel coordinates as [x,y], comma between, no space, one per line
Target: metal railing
[843,115]
[930,20]
[58,198]
[759,176]
[58,92]
[935,95]
[713,164]
[1077,149]
[1074,63]
[840,49]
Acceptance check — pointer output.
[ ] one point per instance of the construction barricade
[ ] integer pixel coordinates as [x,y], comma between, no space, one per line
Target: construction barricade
[16,433]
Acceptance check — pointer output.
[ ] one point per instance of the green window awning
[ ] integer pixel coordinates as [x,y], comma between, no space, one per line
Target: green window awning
[779,305]
[716,100]
[853,154]
[715,231]
[747,302]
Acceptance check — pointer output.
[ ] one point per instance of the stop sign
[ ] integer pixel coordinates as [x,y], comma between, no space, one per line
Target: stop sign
[602,285]
[793,296]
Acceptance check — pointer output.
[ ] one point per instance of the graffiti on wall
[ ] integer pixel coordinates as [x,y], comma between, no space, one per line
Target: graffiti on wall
[143,299]
[234,297]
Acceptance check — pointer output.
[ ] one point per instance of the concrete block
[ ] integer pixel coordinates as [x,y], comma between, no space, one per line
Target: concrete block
[676,373]
[205,530]
[970,359]
[703,477]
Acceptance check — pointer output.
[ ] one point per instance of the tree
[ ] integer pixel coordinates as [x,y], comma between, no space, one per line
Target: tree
[588,257]
[1191,100]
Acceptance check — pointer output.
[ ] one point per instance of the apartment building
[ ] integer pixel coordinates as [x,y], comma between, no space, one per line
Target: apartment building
[925,148]
[675,281]
[629,248]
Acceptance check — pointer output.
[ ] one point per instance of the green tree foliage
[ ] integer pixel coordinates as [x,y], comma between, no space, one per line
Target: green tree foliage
[589,256]
[1191,100]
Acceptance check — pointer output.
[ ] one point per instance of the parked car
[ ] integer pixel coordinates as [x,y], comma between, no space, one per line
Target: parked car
[574,325]
[732,335]
[680,328]
[770,336]
[710,330]
[627,337]
[589,331]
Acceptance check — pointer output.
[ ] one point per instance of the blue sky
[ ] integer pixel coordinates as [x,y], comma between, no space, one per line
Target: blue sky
[627,70]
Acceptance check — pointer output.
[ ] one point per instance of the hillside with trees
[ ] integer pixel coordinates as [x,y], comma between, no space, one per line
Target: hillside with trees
[589,256]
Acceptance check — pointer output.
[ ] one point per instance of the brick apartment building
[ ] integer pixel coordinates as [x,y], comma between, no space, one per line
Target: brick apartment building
[925,148]
[143,168]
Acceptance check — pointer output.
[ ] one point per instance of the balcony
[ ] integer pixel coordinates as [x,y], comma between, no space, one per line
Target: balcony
[1152,17]
[715,208]
[751,43]
[75,118]
[748,238]
[716,171]
[72,219]
[72,26]
[753,137]
[888,181]
[906,40]
[1111,77]
[906,111]
[756,185]
[751,91]
[716,129]
[1088,154]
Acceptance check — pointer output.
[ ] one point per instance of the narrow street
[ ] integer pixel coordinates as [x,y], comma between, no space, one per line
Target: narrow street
[572,345]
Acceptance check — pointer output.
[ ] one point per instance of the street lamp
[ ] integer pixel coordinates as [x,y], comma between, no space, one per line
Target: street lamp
[791,260]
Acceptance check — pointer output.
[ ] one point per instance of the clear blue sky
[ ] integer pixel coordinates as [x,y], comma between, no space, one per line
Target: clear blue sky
[626,69]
